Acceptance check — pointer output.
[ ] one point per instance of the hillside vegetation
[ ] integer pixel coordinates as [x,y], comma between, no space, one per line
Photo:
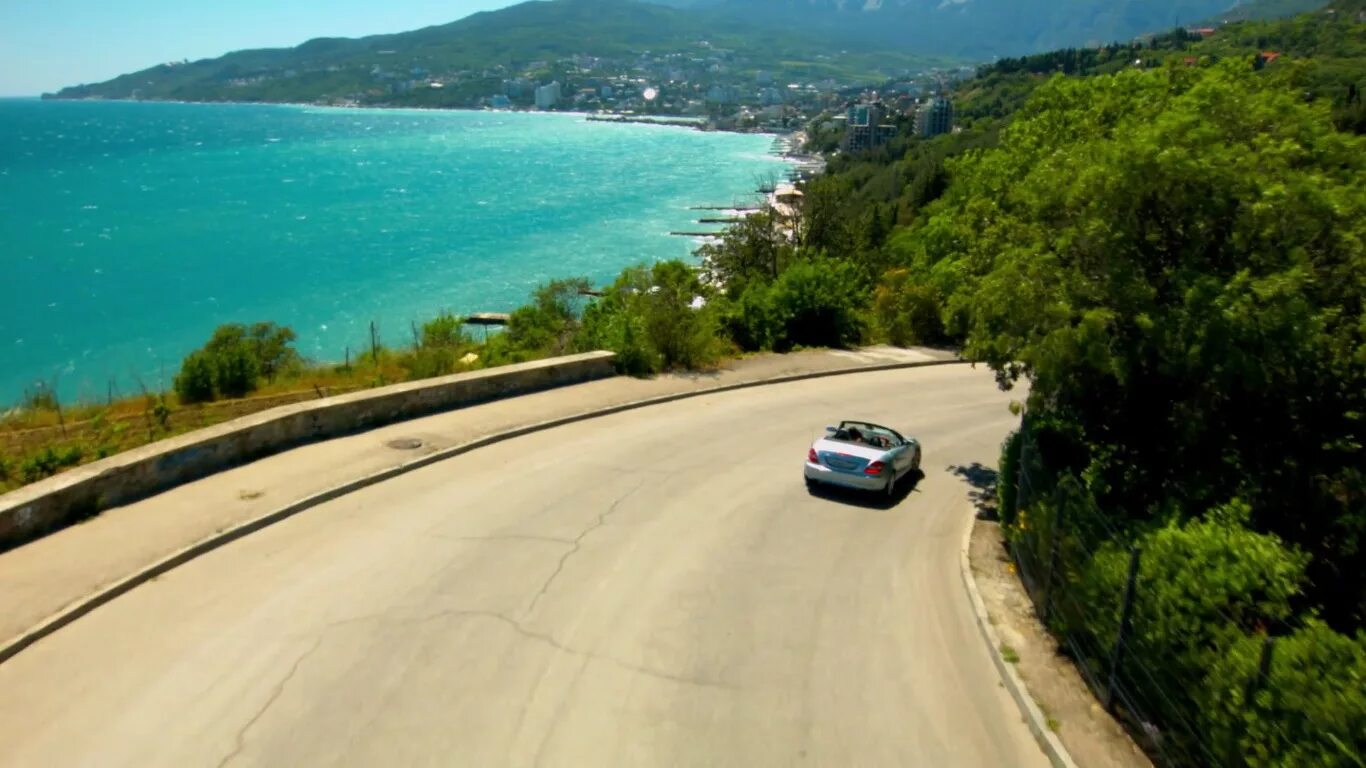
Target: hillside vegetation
[806,41]
[1168,242]
[477,53]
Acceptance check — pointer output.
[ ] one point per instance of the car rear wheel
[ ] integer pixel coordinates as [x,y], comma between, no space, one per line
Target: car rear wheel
[810,485]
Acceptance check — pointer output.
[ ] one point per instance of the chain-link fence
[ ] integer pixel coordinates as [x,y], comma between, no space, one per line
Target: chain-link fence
[1085,576]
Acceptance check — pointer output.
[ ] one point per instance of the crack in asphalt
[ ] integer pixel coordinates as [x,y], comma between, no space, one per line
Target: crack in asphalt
[577,543]
[530,634]
[555,643]
[510,537]
[274,696]
[516,626]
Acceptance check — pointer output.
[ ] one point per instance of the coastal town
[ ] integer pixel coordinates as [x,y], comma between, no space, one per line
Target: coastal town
[719,90]
[711,88]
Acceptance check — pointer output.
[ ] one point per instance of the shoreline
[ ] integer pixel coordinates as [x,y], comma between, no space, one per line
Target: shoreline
[669,121]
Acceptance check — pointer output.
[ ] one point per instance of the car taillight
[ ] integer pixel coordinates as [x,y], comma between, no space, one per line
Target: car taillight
[875,468]
[812,457]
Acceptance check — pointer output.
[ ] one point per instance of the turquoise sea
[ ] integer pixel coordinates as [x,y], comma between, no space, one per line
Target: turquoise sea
[129,231]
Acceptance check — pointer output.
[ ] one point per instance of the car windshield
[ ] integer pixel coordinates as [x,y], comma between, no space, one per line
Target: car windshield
[860,433]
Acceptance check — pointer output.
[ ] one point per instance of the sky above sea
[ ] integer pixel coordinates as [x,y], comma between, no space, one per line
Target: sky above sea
[131,230]
[48,45]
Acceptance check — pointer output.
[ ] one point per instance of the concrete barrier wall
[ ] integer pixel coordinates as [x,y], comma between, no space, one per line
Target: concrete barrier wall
[36,509]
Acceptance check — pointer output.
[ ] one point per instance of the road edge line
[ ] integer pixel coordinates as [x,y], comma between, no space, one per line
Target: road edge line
[1052,746]
[108,593]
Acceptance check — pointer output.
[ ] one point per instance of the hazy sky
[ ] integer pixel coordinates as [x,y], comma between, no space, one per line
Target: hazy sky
[48,44]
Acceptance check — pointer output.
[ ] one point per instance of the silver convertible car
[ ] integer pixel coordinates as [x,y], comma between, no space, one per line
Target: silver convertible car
[857,454]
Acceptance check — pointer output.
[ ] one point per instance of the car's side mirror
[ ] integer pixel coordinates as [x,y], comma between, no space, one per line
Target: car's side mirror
[831,430]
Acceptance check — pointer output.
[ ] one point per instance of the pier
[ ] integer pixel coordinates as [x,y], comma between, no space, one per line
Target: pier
[488,318]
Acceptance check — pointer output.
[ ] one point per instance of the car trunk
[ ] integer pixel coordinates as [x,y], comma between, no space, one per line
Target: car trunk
[846,457]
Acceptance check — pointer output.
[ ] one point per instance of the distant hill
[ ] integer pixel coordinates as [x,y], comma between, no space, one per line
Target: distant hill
[712,42]
[978,29]
[1265,10]
[482,49]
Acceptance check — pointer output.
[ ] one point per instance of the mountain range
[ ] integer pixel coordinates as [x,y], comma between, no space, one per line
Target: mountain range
[974,29]
[842,41]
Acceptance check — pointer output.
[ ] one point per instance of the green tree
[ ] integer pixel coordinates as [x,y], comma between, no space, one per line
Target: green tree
[1310,709]
[753,249]
[908,312]
[1174,258]
[1201,588]
[656,318]
[443,331]
[195,382]
[818,303]
[547,326]
[233,360]
[272,349]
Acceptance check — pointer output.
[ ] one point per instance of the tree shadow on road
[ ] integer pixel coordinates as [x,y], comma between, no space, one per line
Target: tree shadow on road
[981,481]
[870,499]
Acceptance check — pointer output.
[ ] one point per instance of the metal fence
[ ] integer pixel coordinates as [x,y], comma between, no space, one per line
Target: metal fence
[1062,545]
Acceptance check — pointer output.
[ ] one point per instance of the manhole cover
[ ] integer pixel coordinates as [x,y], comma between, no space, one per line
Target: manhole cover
[405,443]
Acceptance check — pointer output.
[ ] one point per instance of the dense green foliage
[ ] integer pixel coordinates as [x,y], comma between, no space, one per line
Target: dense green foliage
[1173,258]
[1176,258]
[234,361]
[656,318]
[1208,584]
[1167,241]
[1308,710]
[439,348]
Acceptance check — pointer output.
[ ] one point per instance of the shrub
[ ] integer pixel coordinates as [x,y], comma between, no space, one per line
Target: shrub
[817,305]
[750,320]
[233,360]
[49,461]
[194,383]
[655,318]
[427,362]
[907,312]
[1201,587]
[235,369]
[444,330]
[608,327]
[271,349]
[1309,710]
[547,326]
[1007,481]
[683,333]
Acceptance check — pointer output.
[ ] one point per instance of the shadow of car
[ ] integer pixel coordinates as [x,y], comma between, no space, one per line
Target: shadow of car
[853,497]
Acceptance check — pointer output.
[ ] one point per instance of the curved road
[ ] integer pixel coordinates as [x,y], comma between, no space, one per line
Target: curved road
[651,588]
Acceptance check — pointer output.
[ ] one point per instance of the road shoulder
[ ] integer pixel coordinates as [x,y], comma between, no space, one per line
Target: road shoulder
[1069,712]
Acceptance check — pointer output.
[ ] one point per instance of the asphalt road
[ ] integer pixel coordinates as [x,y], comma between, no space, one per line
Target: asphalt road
[652,588]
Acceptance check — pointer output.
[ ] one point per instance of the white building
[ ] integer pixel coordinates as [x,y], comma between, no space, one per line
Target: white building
[548,96]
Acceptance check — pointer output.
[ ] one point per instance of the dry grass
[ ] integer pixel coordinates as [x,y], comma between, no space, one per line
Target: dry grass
[37,442]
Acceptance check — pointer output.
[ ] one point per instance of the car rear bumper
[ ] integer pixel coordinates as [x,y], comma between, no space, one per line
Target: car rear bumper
[823,474]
